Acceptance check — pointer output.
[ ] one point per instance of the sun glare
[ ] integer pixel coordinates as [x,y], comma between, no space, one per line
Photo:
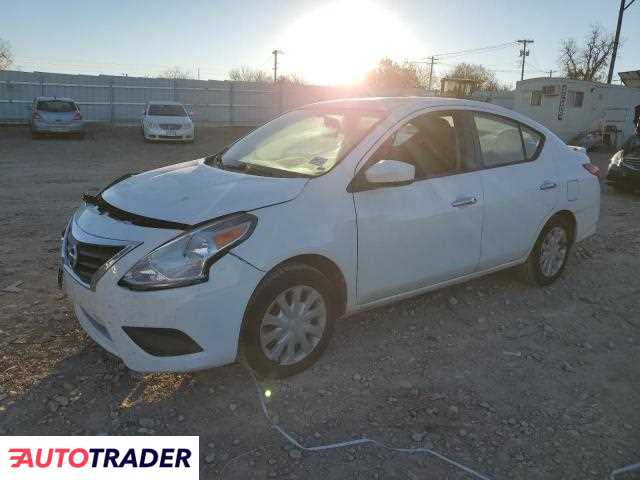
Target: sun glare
[339,43]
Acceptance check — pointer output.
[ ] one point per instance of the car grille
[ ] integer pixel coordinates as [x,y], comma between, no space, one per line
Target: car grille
[170,126]
[631,161]
[85,258]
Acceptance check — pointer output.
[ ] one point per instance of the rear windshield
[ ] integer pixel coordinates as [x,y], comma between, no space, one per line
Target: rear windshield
[167,110]
[59,106]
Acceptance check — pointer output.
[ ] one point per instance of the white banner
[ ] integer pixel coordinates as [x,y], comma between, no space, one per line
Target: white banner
[98,458]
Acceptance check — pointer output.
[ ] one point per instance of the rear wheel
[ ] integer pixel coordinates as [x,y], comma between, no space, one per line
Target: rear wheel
[289,321]
[549,255]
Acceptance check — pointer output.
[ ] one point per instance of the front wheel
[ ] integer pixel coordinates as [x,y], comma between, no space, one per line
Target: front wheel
[289,321]
[549,255]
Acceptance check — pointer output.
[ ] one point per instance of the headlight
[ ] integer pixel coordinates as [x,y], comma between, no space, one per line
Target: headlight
[186,259]
[617,158]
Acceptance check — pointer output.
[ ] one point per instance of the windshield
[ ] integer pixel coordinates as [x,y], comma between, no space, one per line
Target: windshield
[306,142]
[167,110]
[57,106]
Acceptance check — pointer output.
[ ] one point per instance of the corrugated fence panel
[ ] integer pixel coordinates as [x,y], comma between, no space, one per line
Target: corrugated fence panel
[118,99]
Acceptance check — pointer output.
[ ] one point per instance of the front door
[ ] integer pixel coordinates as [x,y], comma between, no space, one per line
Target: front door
[416,235]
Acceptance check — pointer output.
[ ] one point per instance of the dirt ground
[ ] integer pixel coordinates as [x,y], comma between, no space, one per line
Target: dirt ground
[510,380]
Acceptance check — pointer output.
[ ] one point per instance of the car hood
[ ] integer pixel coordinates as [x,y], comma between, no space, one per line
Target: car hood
[193,192]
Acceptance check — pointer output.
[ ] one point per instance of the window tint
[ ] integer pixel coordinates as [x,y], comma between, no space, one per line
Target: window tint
[500,140]
[532,141]
[434,143]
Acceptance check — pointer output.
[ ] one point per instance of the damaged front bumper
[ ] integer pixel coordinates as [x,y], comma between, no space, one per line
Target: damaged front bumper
[177,329]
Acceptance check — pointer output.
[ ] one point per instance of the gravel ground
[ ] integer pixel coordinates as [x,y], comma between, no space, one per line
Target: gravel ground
[510,380]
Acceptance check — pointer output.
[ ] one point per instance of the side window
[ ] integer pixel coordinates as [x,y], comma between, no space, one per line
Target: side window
[434,143]
[500,140]
[532,141]
[575,98]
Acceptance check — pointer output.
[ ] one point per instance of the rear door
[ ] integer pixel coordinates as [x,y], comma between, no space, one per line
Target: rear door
[520,184]
[416,235]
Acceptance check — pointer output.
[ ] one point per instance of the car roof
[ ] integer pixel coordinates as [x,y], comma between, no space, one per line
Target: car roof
[401,106]
[164,102]
[389,104]
[64,99]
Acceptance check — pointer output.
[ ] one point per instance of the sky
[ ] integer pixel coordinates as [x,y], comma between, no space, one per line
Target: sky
[325,42]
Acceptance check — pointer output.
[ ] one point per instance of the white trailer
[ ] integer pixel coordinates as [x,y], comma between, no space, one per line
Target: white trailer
[571,108]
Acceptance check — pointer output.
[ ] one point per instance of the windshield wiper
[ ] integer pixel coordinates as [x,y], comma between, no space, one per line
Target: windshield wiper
[250,168]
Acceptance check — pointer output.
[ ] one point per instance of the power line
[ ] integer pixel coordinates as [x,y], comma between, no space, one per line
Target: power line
[473,50]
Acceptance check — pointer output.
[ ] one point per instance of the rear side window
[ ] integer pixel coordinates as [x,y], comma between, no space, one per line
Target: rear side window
[56,106]
[532,141]
[505,142]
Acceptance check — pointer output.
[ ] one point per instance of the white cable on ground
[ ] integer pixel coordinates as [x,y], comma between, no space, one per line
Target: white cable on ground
[359,441]
[628,468]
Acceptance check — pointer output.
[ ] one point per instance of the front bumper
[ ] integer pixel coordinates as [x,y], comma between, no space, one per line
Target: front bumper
[623,174]
[209,313]
[159,135]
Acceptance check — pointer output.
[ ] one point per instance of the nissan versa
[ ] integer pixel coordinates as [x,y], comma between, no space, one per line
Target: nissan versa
[327,210]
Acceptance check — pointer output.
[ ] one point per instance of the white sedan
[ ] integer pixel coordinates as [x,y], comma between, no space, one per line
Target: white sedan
[166,120]
[327,210]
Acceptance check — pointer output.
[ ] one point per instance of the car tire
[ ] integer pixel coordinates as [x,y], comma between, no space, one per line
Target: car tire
[266,325]
[549,255]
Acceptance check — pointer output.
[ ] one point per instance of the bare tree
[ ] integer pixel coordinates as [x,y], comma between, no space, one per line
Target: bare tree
[6,54]
[590,61]
[248,74]
[176,73]
[292,79]
[389,74]
[485,78]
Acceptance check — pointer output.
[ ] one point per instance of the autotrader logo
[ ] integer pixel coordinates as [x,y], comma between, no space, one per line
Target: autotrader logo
[73,458]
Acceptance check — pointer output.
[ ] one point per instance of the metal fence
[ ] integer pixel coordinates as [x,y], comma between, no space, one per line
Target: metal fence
[116,99]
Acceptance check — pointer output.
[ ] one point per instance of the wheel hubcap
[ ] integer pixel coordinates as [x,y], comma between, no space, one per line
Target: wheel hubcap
[293,325]
[553,251]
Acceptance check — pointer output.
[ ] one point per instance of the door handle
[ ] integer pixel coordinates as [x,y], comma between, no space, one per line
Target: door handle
[548,185]
[461,202]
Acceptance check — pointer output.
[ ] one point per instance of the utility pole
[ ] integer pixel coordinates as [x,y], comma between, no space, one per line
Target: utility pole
[432,62]
[623,6]
[524,53]
[275,64]
[551,73]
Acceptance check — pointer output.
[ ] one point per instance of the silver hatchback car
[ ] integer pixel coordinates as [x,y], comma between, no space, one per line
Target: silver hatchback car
[56,115]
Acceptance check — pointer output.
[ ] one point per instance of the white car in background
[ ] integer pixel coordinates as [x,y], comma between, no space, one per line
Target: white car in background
[327,210]
[168,121]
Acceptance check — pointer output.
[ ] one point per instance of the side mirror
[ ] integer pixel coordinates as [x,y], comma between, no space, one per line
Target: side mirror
[390,173]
